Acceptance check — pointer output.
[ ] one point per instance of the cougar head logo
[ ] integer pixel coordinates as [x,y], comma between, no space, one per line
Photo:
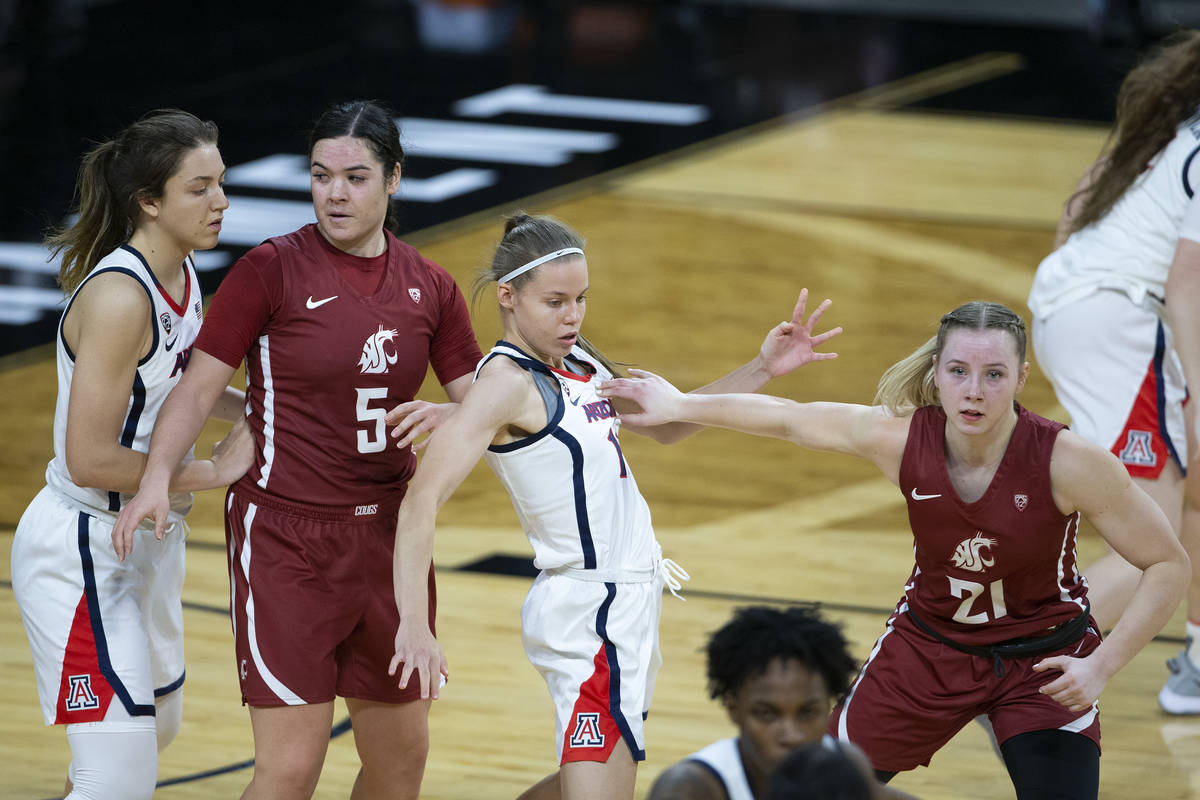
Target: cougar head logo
[376,354]
[968,555]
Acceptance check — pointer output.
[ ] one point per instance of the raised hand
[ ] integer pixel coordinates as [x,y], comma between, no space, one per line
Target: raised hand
[792,344]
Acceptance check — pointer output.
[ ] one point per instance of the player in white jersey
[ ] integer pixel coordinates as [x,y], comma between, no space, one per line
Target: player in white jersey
[1116,319]
[103,616]
[777,672]
[590,622]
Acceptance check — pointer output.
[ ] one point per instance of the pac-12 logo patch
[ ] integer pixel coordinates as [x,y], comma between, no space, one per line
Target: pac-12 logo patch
[376,353]
[80,696]
[587,730]
[1021,501]
[165,319]
[1139,450]
[415,294]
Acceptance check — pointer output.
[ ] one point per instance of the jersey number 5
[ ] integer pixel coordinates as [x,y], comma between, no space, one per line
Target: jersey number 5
[969,590]
[374,439]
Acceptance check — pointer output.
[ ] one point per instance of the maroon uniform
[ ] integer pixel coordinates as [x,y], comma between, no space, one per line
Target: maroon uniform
[331,342]
[996,570]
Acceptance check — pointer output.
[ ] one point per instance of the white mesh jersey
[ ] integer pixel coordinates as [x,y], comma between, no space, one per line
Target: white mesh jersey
[1130,248]
[175,327]
[573,492]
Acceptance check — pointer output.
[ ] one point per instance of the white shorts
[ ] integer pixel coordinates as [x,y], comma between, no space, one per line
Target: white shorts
[99,628]
[596,646]
[1114,369]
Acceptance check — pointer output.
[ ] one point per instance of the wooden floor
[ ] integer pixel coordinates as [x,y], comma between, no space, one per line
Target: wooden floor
[897,216]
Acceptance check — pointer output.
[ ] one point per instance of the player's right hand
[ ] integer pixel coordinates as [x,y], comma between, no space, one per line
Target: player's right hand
[420,653]
[144,505]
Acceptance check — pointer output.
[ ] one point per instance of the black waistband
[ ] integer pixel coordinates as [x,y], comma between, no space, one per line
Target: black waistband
[1059,637]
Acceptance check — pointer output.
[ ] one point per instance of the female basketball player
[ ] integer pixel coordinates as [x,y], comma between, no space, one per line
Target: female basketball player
[337,322]
[1116,319]
[995,617]
[105,625]
[590,622]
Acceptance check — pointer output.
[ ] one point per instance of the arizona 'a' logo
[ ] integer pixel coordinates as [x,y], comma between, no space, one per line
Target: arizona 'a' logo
[1021,501]
[80,696]
[1138,450]
[165,319]
[378,351]
[969,555]
[415,294]
[587,730]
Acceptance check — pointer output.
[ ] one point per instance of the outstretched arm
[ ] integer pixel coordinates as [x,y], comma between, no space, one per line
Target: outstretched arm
[495,400]
[865,431]
[787,347]
[1091,480]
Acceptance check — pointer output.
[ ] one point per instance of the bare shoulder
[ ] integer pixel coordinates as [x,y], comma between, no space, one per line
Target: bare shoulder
[687,780]
[110,308]
[1083,475]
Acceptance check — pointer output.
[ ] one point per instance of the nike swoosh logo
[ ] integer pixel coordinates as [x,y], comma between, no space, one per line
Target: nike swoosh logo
[318,303]
[916,496]
[171,343]
[574,400]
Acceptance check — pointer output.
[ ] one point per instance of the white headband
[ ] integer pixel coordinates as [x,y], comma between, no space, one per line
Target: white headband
[521,270]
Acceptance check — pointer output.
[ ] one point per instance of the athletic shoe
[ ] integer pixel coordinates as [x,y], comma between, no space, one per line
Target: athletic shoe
[1181,694]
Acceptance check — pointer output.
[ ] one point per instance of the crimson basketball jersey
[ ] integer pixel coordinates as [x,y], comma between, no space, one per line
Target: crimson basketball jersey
[1004,566]
[324,363]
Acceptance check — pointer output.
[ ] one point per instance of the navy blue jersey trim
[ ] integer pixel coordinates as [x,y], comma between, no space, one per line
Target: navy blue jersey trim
[1160,348]
[162,691]
[93,601]
[1187,186]
[581,512]
[140,282]
[129,433]
[526,362]
[614,675]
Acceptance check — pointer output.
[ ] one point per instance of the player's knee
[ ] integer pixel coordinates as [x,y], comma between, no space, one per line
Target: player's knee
[168,717]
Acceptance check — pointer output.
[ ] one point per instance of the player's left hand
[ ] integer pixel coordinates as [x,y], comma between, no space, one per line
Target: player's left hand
[415,419]
[1078,686]
[792,344]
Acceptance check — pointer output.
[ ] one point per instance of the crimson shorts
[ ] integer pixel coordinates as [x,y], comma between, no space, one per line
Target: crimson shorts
[1115,370]
[914,693]
[311,600]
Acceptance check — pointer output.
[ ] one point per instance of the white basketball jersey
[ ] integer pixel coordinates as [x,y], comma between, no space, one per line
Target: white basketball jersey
[175,328]
[724,759]
[573,492]
[1130,248]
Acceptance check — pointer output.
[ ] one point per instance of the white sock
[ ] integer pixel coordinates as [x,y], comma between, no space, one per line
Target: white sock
[1193,635]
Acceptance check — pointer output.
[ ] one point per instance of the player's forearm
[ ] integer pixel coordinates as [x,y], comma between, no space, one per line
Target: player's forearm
[1159,591]
[230,406]
[412,558]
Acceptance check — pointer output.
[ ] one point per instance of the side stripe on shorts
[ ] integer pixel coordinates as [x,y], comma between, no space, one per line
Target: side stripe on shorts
[614,685]
[273,683]
[93,601]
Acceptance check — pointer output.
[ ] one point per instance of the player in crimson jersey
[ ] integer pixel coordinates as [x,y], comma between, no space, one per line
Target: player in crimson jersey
[337,323]
[106,630]
[590,622]
[994,619]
